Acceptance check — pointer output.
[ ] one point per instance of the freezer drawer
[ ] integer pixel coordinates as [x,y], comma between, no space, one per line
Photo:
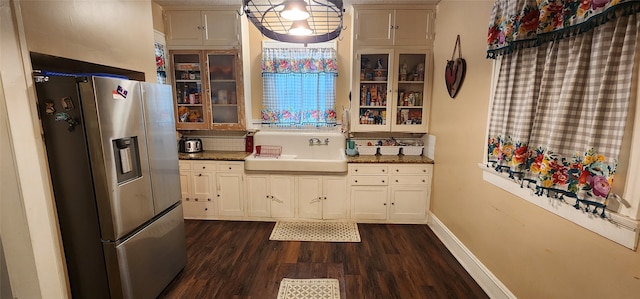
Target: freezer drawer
[144,264]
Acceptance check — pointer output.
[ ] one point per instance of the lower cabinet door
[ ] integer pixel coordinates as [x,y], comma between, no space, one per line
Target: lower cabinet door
[258,195]
[369,202]
[310,199]
[408,203]
[229,195]
[282,194]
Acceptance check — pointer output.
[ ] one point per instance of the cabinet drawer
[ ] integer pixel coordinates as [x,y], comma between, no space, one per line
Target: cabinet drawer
[231,167]
[203,166]
[369,180]
[410,179]
[368,169]
[411,169]
[184,165]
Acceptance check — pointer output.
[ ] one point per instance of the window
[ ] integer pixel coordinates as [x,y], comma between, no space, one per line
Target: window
[562,100]
[299,86]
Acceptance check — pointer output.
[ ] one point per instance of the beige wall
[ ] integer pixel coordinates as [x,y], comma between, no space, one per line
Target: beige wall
[533,252]
[344,68]
[117,33]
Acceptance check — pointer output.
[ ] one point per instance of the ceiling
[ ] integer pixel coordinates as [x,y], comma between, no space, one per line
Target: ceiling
[239,2]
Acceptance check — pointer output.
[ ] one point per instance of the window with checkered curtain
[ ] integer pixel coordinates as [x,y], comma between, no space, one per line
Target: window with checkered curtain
[562,96]
[299,86]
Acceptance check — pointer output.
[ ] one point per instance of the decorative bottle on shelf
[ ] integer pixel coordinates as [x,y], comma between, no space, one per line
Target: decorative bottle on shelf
[185,93]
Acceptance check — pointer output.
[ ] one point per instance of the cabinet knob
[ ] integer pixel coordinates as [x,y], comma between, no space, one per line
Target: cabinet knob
[385,203]
[206,209]
[199,174]
[424,170]
[391,27]
[229,167]
[196,199]
[383,170]
[393,203]
[397,170]
[356,170]
[356,181]
[397,27]
[396,181]
[209,199]
[383,181]
[325,198]
[423,181]
[203,167]
[218,195]
[187,199]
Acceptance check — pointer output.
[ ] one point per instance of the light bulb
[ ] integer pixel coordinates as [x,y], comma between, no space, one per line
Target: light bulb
[295,10]
[300,27]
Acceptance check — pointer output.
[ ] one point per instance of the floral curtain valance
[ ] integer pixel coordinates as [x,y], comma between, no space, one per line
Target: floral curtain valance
[527,23]
[293,60]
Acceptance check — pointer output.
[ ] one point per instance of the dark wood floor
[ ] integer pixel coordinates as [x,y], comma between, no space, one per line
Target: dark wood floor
[230,260]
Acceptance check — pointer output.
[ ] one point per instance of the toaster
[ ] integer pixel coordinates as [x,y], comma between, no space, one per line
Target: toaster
[191,145]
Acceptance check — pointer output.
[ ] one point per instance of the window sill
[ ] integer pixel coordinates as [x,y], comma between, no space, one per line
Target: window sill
[614,227]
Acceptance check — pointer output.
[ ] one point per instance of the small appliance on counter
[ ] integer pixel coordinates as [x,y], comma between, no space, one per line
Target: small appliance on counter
[190,145]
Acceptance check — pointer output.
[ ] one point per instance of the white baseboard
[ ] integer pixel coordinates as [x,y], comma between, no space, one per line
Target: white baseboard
[481,274]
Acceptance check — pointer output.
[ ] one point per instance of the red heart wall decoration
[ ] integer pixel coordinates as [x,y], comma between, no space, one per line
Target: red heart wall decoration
[454,75]
[455,70]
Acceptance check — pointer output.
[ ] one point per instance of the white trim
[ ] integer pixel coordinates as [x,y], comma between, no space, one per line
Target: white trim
[615,227]
[480,273]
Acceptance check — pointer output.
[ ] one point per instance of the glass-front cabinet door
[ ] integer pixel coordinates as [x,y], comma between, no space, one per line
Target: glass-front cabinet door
[188,90]
[391,93]
[370,105]
[411,92]
[225,77]
[208,91]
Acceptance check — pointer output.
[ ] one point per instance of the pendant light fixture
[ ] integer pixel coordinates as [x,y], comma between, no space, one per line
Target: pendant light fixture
[277,20]
[300,27]
[295,10]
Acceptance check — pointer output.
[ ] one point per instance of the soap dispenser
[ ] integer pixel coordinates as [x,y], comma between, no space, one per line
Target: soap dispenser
[351,148]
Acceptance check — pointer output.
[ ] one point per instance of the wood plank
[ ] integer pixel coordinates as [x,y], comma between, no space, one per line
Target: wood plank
[235,259]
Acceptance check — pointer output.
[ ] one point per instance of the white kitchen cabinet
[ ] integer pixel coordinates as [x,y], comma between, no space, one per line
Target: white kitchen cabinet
[271,196]
[392,90]
[202,28]
[410,188]
[200,182]
[230,189]
[369,202]
[210,190]
[394,193]
[383,26]
[369,188]
[322,197]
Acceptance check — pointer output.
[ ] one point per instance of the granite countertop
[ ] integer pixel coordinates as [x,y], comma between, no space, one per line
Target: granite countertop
[239,156]
[389,159]
[214,155]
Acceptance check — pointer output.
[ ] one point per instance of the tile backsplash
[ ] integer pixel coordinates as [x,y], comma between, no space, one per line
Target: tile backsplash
[220,141]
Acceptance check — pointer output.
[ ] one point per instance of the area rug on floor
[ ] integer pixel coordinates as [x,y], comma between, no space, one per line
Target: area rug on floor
[309,289]
[315,231]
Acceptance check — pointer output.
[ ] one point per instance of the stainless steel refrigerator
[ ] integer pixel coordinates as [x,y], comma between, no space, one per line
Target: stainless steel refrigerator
[113,161]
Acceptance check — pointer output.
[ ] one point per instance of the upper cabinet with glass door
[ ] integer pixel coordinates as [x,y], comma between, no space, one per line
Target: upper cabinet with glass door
[391,91]
[411,92]
[225,73]
[369,100]
[190,107]
[208,91]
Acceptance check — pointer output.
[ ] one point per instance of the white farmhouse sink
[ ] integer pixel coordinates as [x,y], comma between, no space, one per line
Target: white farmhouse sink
[325,154]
